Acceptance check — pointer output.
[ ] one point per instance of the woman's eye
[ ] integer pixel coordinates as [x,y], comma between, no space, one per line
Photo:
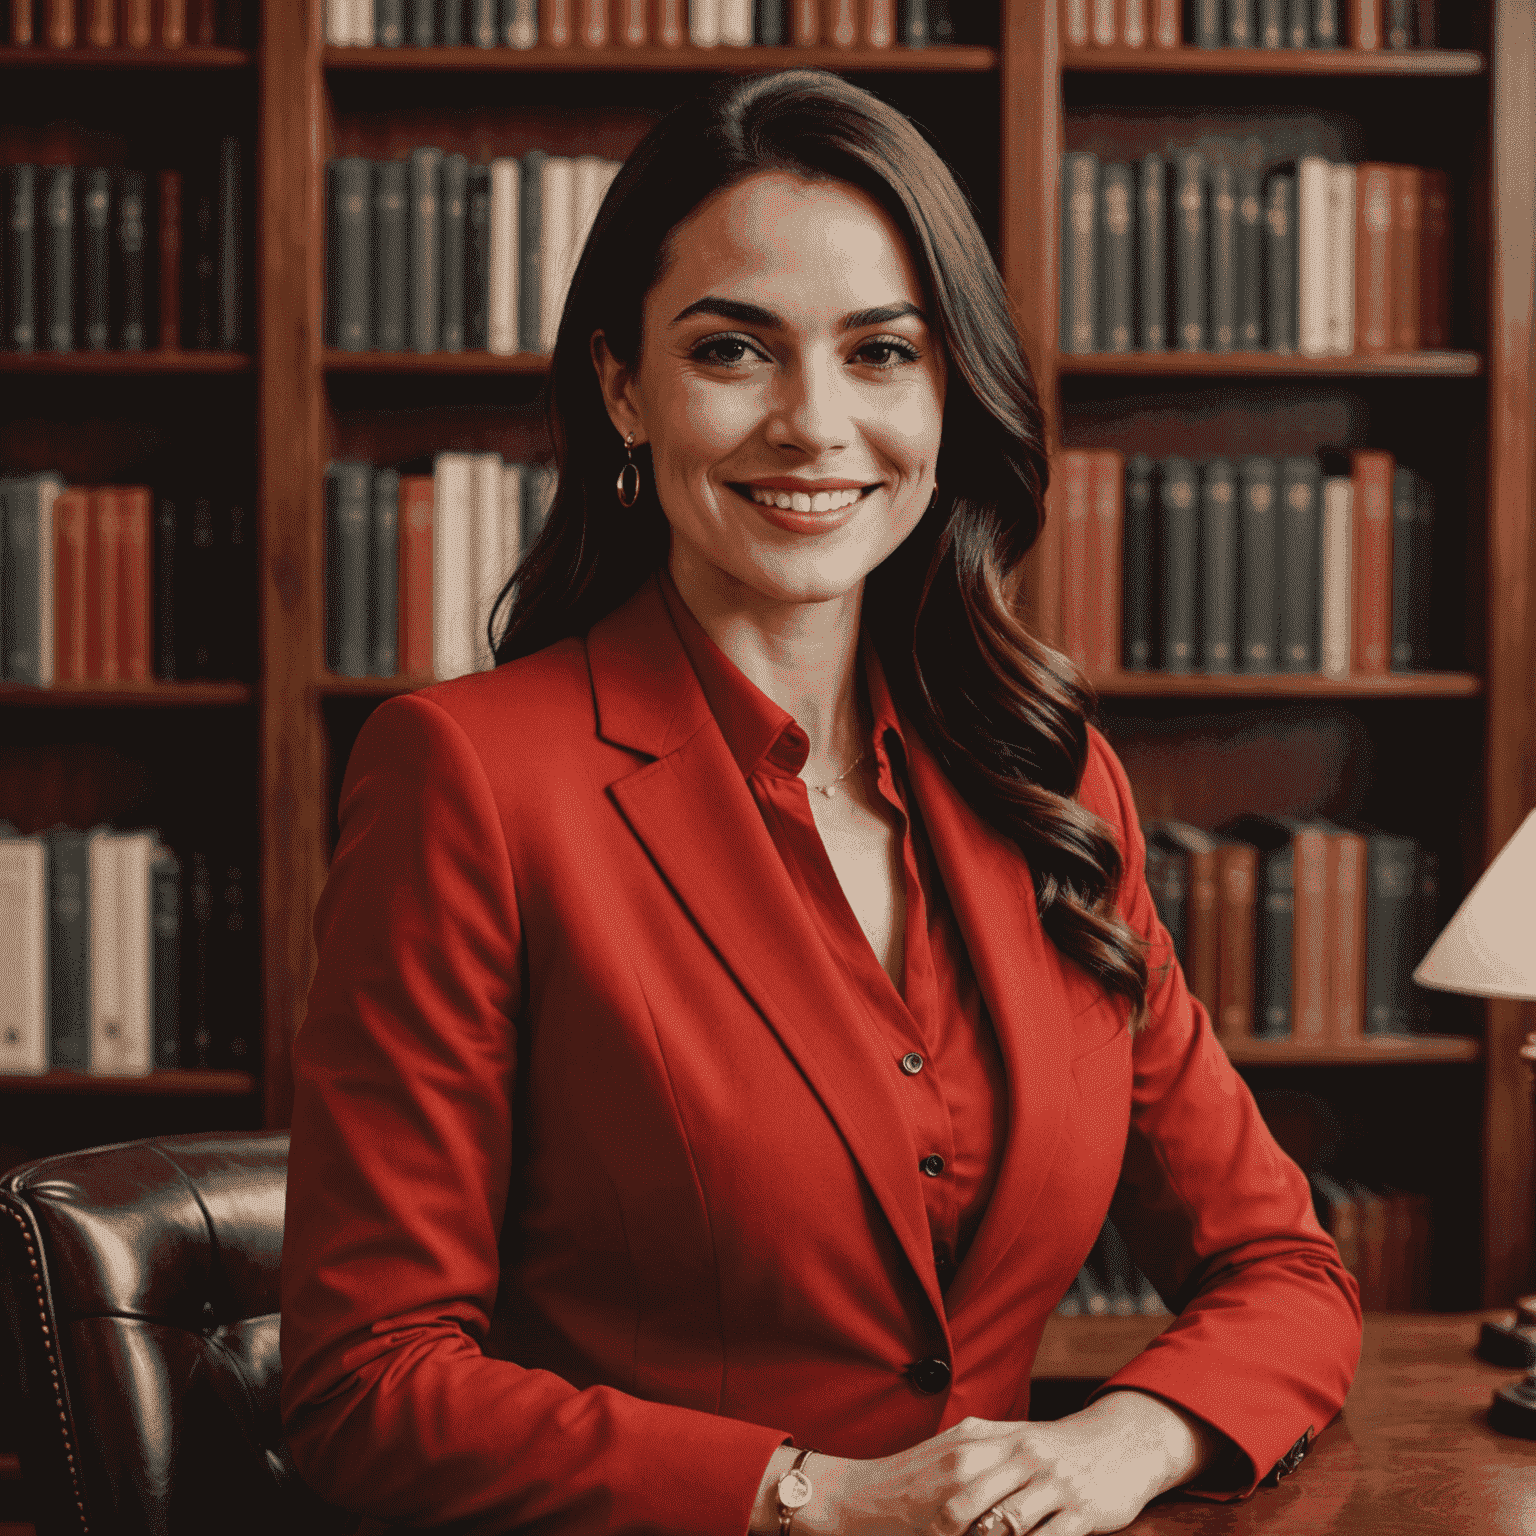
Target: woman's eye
[887,352]
[723,349]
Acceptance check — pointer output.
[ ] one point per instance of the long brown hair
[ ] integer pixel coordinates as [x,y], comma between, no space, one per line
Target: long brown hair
[1005,714]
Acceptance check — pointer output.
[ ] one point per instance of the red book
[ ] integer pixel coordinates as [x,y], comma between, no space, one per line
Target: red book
[135,24]
[1346,922]
[1435,262]
[103,575]
[1075,471]
[805,23]
[173,23]
[415,605]
[1074,23]
[1237,867]
[842,23]
[1203,934]
[1365,24]
[1167,31]
[671,23]
[21,23]
[170,260]
[594,23]
[555,23]
[101,23]
[71,543]
[1310,942]
[202,23]
[879,28]
[133,583]
[1373,1246]
[1374,212]
[1105,541]
[1371,562]
[634,28]
[1407,226]
[61,23]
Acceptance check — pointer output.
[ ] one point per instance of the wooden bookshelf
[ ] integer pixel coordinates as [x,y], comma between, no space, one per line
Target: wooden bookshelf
[1295,62]
[128,363]
[1375,1050]
[1301,685]
[195,57]
[1258,365]
[180,1084]
[154,694]
[723,60]
[534,364]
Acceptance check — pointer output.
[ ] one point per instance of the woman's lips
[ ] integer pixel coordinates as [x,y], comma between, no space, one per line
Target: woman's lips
[804,511]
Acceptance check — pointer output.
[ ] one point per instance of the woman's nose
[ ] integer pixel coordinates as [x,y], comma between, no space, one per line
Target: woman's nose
[812,411]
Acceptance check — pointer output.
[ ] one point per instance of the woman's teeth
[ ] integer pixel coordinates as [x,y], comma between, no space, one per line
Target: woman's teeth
[800,501]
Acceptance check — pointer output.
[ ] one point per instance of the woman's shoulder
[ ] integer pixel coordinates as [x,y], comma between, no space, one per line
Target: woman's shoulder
[1104,788]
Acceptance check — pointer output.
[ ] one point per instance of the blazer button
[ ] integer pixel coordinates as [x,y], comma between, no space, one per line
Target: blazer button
[930,1375]
[932,1165]
[911,1063]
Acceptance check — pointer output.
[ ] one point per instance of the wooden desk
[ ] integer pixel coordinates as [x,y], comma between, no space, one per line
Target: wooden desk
[1411,1455]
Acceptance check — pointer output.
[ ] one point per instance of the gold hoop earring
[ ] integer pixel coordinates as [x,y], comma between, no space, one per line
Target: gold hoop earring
[628,483]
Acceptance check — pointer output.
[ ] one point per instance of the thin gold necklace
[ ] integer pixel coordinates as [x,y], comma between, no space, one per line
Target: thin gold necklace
[830,790]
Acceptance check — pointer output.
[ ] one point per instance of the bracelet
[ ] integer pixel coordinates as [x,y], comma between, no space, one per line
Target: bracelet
[794,1492]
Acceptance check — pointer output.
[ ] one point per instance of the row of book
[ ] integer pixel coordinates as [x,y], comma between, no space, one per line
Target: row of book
[1383,1237]
[414,562]
[1300,564]
[78,269]
[1208,250]
[125,23]
[1251,23]
[637,23]
[119,583]
[1294,929]
[435,254]
[121,958]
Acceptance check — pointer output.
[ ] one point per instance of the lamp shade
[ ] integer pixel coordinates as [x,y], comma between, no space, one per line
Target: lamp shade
[1489,948]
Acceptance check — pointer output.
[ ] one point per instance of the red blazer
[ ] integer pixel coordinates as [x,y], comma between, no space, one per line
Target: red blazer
[599,1189]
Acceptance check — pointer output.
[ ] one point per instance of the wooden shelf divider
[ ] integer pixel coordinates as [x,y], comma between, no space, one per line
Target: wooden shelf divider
[1282,685]
[1414,63]
[195,57]
[956,59]
[1365,365]
[532,363]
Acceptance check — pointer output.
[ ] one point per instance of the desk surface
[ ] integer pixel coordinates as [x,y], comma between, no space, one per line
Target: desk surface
[1412,1454]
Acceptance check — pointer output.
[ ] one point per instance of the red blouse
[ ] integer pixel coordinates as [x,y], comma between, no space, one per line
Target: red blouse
[935,1030]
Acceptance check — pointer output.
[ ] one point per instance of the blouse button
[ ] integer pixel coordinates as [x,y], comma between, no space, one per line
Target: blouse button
[932,1165]
[911,1063]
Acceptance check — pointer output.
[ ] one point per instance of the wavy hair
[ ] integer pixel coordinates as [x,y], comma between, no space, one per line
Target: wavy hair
[1005,715]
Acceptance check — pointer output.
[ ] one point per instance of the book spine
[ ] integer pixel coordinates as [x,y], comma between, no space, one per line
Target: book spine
[805,24]
[1404,561]
[165,591]
[21,24]
[27,573]
[390,258]
[1313,180]
[239,559]
[104,881]
[455,187]
[1338,518]
[1435,262]
[1074,23]
[1388,959]
[204,267]
[71,536]
[1152,242]
[634,23]
[1105,31]
[423,23]
[1300,565]
[129,332]
[199,579]
[197,1022]
[1398,16]
[519,23]
[384,575]
[671,23]
[1425,922]
[1407,234]
[1280,261]
[556,235]
[1310,940]
[415,600]
[1325,24]
[1373,265]
[233,963]
[530,240]
[1208,24]
[482,23]
[1166,873]
[1204,938]
[389,29]
[346,587]
[173,23]
[1298,28]
[771,23]
[1048,565]
[594,23]
[842,23]
[338,23]
[1242,24]
[1341,259]
[202,23]
[1138,568]
[1237,884]
[1272,23]
[351,258]
[165,990]
[450,22]
[23,954]
[1189,260]
[1179,526]
[704,23]
[1218,567]
[1258,555]
[169,227]
[1426,23]
[1080,176]
[95,257]
[21,258]
[1116,195]
[133,583]
[103,621]
[61,23]
[477,259]
[1105,541]
[59,256]
[1249,259]
[1076,473]
[452,626]
[1420,574]
[69,950]
[1223,258]
[1347,892]
[504,247]
[1167,25]
[1372,545]
[487,563]
[426,249]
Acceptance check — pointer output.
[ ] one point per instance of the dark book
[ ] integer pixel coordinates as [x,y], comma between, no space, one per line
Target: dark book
[1122,1280]
[1139,575]
[228,330]
[450,23]
[1413,511]
[58,264]
[165,566]
[1248,258]
[482,23]
[199,955]
[1325,24]
[477,259]
[1426,23]
[389,255]
[1298,24]
[388,23]
[520,23]
[530,261]
[168,221]
[1280,261]
[1258,552]
[1191,287]
[235,641]
[1300,567]
[1272,23]
[423,22]
[1276,905]
[1223,256]
[455,187]
[1178,564]
[1079,253]
[1116,201]
[769,24]
[1242,23]
[941,22]
[1424,927]
[1420,575]
[1152,254]
[165,959]
[234,957]
[347,513]
[1399,23]
[1207,18]
[130,331]
[1167,883]
[203,267]
[21,258]
[69,948]
[349,253]
[383,603]
[912,22]
[198,573]
[95,257]
[1389,865]
[1218,567]
[27,568]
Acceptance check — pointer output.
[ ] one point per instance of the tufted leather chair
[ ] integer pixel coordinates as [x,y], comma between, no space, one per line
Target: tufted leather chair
[142,1293]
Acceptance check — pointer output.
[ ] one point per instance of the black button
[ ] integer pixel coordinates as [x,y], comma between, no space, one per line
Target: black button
[911,1063]
[943,1265]
[932,1165]
[1290,1461]
[930,1375]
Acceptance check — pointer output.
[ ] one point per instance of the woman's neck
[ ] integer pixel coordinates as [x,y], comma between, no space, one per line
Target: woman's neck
[802,655]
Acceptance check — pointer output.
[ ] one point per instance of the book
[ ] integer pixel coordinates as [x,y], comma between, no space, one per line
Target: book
[95,256]
[1406,563]
[129,331]
[203,266]
[23,954]
[840,23]
[1313,200]
[520,23]
[1389,881]
[1421,564]
[1398,17]
[877,23]
[1248,258]
[1218,557]
[1079,255]
[173,23]
[349,249]
[21,327]
[21,24]
[1371,544]
[27,577]
[414,604]
[805,24]
[1334,1203]
[1325,24]
[382,601]
[1223,255]
[1280,262]
[1275,926]
[1167,871]
[389,24]
[1365,24]
[1201,954]
[1075,471]
[58,253]
[1179,523]
[486,559]
[1166,23]
[1152,253]
[1272,19]
[530,245]
[1374,219]
[421,18]
[168,227]
[347,515]
[671,23]
[1298,29]
[452,606]
[1138,567]
[1300,566]
[1208,23]
[477,258]
[505,243]
[557,231]
[1258,555]
[165,958]
[1371,1209]
[71,519]
[1311,937]
[1105,539]
[425,225]
[770,24]
[1347,890]
[1407,228]
[455,189]
[704,23]
[1242,24]
[1237,866]
[1337,581]
[482,24]
[121,1041]
[1435,250]
[69,946]
[391,261]
[450,22]
[1191,284]
[60,23]
[1116,198]
[1074,23]
[134,573]
[1341,260]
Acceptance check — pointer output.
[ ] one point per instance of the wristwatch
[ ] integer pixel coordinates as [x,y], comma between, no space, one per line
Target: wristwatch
[794,1492]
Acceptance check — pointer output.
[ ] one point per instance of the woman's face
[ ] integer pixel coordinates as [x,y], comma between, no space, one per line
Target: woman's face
[789,387]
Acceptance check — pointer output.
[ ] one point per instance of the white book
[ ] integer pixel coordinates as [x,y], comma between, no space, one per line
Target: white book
[1104,22]
[704,23]
[736,23]
[503,306]
[559,216]
[1337,548]
[486,560]
[1075,23]
[338,23]
[1135,27]
[520,23]
[105,954]
[511,516]
[23,954]
[1313,205]
[362,23]
[453,613]
[1341,260]
[128,1051]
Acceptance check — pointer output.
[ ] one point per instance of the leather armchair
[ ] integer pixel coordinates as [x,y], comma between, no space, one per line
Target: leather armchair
[142,1296]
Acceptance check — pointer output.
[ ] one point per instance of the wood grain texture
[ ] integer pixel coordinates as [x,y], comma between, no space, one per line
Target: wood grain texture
[959,59]
[179,1084]
[1298,62]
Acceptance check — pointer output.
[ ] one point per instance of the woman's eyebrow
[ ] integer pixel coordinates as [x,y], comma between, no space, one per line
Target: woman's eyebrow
[754,314]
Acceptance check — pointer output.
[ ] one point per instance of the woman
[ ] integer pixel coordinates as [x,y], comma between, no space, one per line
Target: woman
[734,1012]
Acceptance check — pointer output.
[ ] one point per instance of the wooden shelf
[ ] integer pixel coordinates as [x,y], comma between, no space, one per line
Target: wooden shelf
[1413,62]
[1225,365]
[531,363]
[178,1084]
[1373,1051]
[947,60]
[126,362]
[153,695]
[1092,1348]
[126,58]
[1300,685]
[329,685]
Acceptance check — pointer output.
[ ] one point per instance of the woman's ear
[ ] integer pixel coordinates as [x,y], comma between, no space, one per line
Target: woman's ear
[617,382]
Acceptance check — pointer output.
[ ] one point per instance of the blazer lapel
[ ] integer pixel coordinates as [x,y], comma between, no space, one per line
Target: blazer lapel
[694,814]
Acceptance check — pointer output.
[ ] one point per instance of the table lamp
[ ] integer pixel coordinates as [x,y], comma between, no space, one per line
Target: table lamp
[1489,950]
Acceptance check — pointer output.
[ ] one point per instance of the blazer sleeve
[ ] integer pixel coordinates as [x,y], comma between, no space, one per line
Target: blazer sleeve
[400,1162]
[1267,1333]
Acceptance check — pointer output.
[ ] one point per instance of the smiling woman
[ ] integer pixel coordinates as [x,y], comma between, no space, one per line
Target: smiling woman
[735,1013]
